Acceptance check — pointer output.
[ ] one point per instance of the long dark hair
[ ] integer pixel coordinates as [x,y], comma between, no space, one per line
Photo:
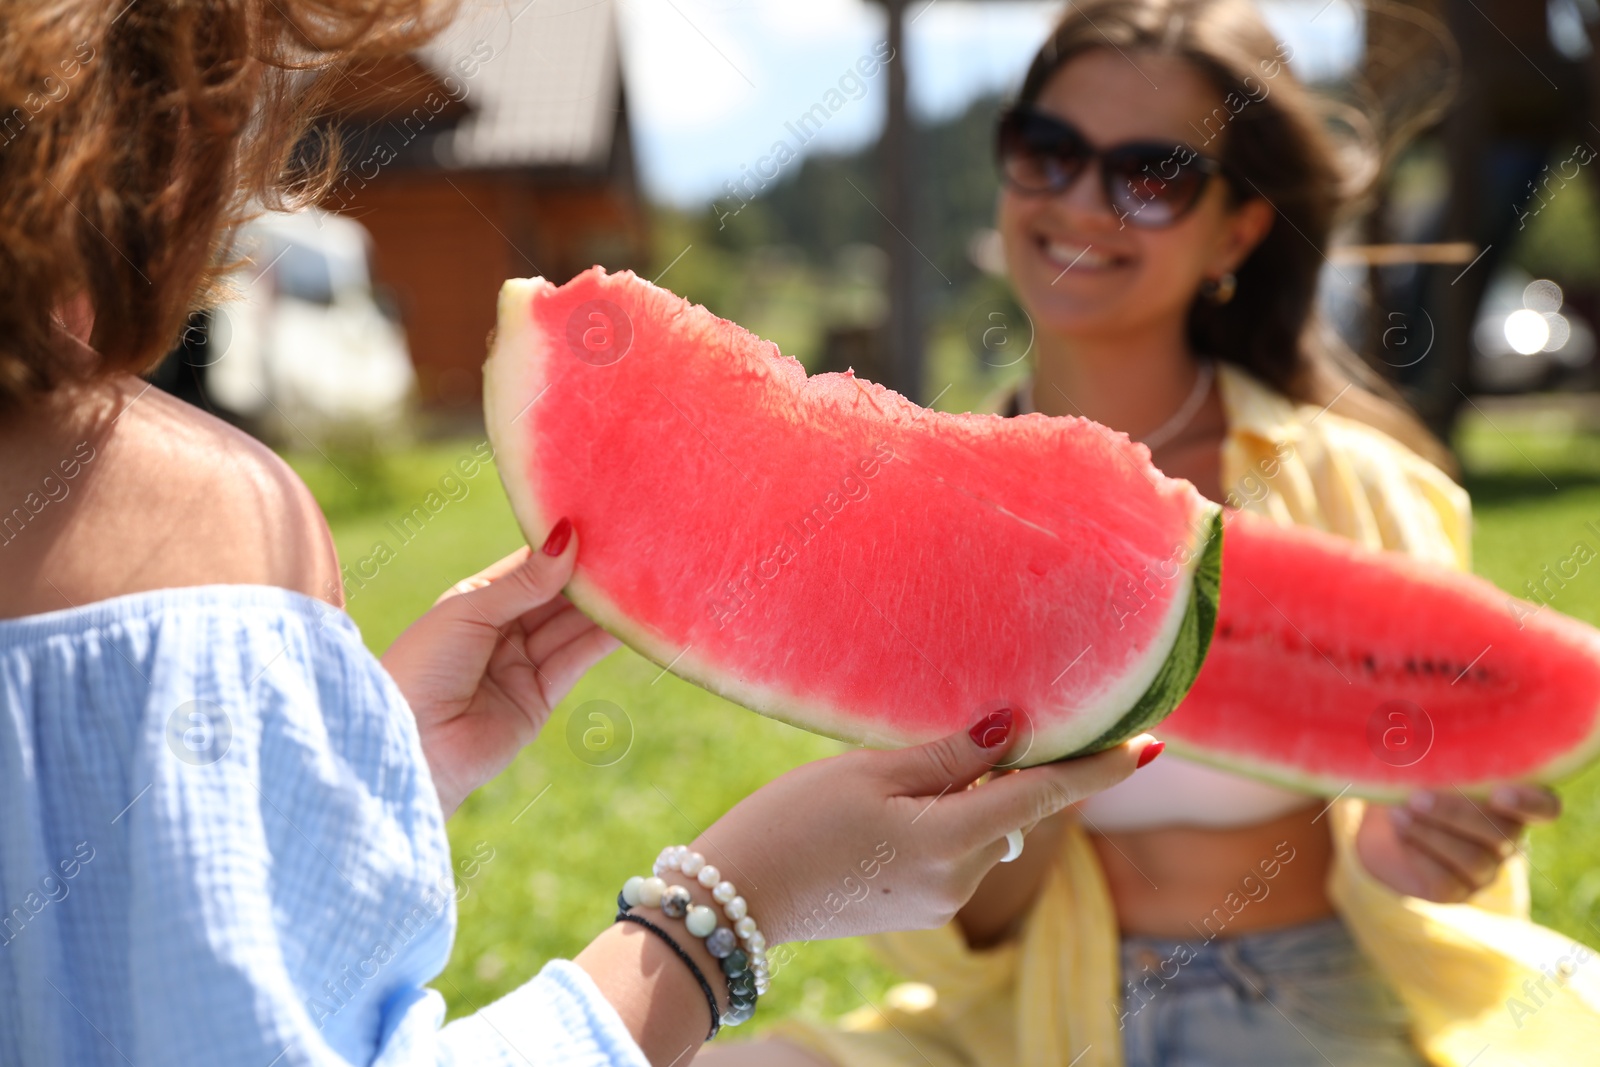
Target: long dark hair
[1275,143]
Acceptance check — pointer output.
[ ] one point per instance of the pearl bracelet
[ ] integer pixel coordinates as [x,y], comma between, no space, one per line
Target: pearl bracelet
[741,949]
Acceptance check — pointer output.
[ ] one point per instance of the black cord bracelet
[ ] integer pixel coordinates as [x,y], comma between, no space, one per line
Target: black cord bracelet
[694,968]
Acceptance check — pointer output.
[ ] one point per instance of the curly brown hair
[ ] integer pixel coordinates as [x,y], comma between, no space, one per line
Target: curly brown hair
[134,137]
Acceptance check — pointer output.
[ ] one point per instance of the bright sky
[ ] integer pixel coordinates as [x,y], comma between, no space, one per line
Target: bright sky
[712,83]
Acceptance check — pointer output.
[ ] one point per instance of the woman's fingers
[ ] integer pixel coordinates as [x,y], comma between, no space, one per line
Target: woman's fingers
[1458,842]
[512,587]
[1466,818]
[997,774]
[1526,803]
[1428,876]
[502,566]
[560,670]
[992,810]
[554,629]
[952,762]
[1468,860]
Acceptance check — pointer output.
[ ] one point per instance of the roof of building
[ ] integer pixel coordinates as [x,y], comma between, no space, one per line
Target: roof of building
[543,79]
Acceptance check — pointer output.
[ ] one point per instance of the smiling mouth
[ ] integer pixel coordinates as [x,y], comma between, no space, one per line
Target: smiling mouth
[1070,255]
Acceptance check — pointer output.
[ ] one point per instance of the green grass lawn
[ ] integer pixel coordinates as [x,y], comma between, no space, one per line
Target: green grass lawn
[544,884]
[1534,490]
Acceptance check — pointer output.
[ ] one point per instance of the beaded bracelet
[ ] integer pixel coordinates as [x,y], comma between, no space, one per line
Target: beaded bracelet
[623,915]
[753,957]
[746,968]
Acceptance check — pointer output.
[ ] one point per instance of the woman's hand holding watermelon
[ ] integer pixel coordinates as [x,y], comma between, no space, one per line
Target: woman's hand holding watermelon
[1444,846]
[864,842]
[872,841]
[484,667]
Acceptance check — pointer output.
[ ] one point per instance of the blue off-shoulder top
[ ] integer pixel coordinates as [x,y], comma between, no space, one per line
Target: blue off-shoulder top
[220,844]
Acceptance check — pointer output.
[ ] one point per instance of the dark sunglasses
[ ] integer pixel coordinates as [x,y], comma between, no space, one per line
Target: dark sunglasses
[1147,183]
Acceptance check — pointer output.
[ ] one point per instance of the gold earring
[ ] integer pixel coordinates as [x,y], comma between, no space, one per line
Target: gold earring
[1220,290]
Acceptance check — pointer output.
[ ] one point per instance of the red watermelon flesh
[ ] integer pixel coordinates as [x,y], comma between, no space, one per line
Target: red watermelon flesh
[1336,669]
[823,551]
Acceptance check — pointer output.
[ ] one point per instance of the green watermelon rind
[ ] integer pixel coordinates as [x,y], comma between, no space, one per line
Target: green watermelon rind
[514,371]
[1182,665]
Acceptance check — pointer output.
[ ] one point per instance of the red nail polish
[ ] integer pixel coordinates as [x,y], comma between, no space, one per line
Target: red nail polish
[1151,751]
[556,543]
[992,730]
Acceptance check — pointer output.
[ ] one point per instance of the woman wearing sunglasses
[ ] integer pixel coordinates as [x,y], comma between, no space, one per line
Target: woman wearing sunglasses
[1167,195]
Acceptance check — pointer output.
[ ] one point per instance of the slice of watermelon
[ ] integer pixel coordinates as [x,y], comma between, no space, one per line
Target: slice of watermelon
[1338,670]
[823,551]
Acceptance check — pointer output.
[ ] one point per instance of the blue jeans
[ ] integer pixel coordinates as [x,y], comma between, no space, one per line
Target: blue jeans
[1280,998]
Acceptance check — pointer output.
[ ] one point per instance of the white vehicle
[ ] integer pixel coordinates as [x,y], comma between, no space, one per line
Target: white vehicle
[304,351]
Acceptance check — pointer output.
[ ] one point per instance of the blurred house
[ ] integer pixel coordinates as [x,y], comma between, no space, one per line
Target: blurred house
[502,149]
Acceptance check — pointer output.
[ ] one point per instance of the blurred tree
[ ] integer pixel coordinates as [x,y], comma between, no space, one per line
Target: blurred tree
[1563,240]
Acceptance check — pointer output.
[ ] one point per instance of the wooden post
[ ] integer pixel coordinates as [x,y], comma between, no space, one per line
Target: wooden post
[902,334]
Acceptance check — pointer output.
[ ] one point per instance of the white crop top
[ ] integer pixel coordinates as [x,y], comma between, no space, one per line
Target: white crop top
[1174,791]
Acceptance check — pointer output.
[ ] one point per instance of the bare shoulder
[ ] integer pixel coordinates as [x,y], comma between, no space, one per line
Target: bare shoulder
[124,489]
